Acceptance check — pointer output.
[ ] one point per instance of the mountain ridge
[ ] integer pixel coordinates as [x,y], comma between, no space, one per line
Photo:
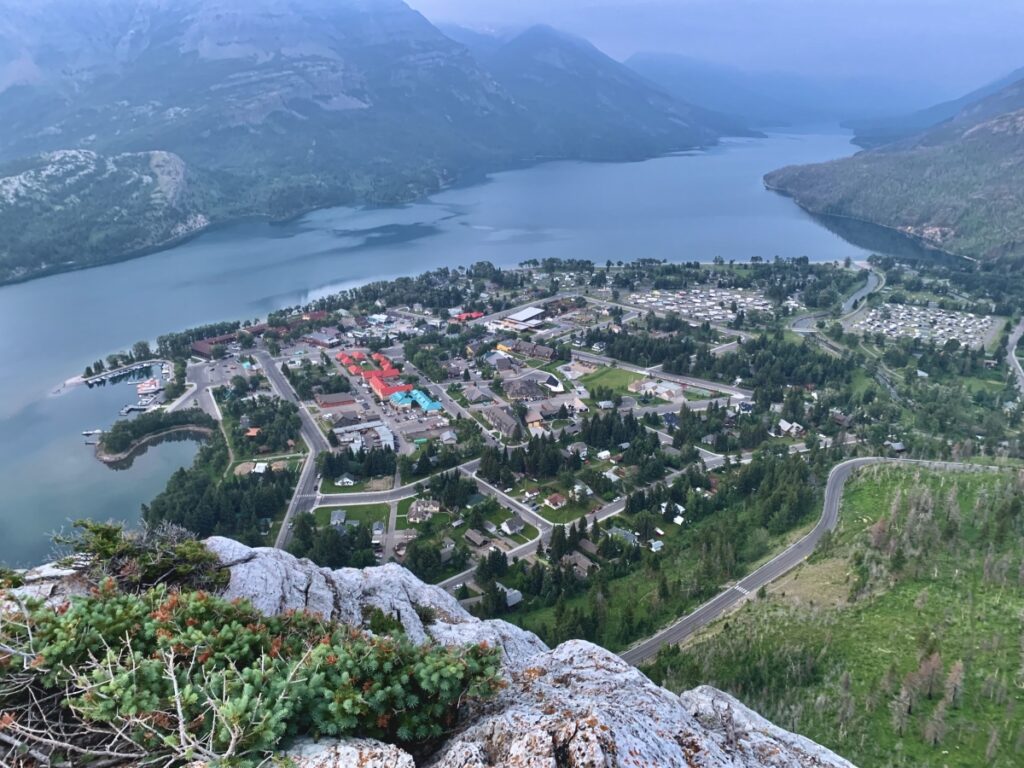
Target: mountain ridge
[278,109]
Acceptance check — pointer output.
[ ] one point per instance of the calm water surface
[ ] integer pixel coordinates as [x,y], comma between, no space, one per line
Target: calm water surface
[686,207]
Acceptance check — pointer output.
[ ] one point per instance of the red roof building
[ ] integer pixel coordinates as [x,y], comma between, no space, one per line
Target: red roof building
[384,390]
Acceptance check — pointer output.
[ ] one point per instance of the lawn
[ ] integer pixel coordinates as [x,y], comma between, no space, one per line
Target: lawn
[616,379]
[364,513]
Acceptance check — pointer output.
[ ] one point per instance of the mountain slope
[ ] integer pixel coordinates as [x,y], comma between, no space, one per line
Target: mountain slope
[873,133]
[772,99]
[958,187]
[276,107]
[584,104]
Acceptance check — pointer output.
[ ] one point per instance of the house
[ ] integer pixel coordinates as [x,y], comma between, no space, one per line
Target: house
[627,536]
[338,518]
[611,476]
[896,446]
[513,526]
[513,597]
[588,547]
[606,405]
[502,419]
[253,432]
[679,520]
[260,468]
[422,510]
[377,533]
[555,501]
[580,449]
[448,437]
[447,549]
[522,389]
[474,394]
[656,546]
[490,527]
[345,481]
[476,538]
[604,455]
[580,492]
[534,418]
[789,429]
[581,564]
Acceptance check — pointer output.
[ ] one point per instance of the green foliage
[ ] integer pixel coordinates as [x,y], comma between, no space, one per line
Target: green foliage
[125,433]
[903,647]
[164,554]
[188,675]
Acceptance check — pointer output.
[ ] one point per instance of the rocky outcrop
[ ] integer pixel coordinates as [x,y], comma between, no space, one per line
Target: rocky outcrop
[576,706]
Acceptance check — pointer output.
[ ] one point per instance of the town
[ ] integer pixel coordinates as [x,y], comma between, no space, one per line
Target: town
[520,436]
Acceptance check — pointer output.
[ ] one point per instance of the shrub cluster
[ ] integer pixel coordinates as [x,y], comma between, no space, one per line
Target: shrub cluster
[165,677]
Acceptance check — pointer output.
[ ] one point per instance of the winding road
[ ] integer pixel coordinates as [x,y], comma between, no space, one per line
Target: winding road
[782,563]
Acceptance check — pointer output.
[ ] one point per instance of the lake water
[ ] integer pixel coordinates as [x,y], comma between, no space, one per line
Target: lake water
[693,206]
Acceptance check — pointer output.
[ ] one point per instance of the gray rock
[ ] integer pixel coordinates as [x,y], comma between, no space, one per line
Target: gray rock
[351,753]
[275,581]
[577,706]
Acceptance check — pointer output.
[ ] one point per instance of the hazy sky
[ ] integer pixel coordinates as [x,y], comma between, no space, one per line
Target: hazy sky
[952,44]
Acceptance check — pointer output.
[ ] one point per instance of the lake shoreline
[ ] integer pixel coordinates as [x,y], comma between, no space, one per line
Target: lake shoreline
[132,451]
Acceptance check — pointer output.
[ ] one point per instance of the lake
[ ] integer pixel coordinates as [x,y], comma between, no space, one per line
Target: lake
[685,207]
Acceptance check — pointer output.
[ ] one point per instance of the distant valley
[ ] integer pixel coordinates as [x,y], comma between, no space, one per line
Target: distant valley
[276,112]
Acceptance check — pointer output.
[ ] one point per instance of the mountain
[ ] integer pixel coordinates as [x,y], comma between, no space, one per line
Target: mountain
[768,99]
[585,103]
[873,133]
[958,186]
[276,107]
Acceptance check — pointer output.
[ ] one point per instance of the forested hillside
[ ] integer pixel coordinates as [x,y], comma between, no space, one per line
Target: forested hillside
[958,187]
[900,643]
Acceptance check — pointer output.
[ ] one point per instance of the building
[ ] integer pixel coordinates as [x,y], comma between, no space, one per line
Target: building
[377,533]
[476,538]
[612,477]
[513,597]
[789,429]
[627,536]
[325,338]
[337,400]
[581,564]
[656,546]
[474,395]
[524,320]
[556,501]
[447,549]
[422,510]
[580,449]
[338,518]
[345,481]
[502,419]
[513,526]
[522,389]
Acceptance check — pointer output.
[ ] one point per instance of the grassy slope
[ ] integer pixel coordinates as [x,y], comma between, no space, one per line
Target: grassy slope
[812,661]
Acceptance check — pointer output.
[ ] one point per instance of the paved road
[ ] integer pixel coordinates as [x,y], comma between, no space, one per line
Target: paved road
[781,564]
[1011,355]
[304,498]
[809,323]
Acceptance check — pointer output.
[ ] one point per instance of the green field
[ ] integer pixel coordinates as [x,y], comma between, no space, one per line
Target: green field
[900,643]
[616,379]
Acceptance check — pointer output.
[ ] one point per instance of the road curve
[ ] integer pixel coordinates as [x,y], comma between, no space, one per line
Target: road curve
[782,563]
